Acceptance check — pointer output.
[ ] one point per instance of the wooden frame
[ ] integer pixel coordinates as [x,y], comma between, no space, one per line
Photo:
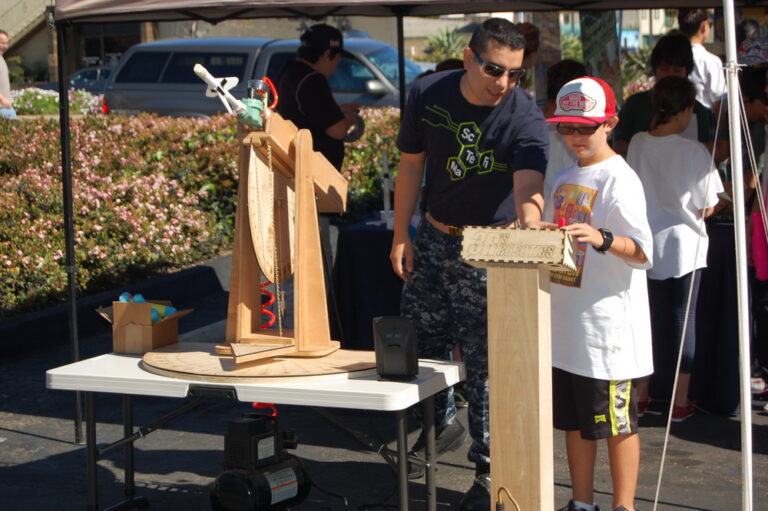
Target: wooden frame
[518,262]
[283,184]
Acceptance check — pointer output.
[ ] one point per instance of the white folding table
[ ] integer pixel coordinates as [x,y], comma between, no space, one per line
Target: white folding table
[124,374]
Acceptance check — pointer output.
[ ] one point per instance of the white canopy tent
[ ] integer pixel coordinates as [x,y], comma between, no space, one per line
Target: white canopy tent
[67,12]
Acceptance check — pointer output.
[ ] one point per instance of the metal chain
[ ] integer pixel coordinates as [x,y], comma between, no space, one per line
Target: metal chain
[275,262]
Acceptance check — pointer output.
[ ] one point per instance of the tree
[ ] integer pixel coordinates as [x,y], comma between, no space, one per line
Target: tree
[446,44]
[571,48]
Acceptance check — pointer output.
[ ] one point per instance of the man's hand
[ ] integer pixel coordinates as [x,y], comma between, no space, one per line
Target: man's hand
[401,257]
[5,102]
[407,187]
[529,201]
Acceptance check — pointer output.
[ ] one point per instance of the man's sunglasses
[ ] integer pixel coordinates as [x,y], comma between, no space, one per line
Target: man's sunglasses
[581,130]
[515,75]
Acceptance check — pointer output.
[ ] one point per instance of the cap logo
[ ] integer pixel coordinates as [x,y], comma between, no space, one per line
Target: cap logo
[333,43]
[577,101]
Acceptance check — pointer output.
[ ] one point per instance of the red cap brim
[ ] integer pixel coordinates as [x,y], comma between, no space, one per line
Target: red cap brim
[579,120]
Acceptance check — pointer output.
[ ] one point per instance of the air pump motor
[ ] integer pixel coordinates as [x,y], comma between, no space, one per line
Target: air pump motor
[261,476]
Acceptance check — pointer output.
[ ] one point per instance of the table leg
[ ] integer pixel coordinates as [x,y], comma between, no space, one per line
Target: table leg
[131,500]
[402,458]
[90,449]
[429,453]
[130,486]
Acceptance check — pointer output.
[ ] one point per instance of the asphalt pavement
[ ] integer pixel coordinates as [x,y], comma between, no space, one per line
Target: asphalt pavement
[42,468]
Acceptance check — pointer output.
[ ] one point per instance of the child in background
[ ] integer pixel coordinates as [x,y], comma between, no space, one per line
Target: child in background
[681,186]
[601,335]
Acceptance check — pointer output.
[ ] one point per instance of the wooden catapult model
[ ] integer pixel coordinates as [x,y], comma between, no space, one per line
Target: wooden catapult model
[283,185]
[518,262]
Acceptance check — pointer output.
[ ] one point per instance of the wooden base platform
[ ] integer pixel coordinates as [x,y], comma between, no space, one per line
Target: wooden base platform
[194,360]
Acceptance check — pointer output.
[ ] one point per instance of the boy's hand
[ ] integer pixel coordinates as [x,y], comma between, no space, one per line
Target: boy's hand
[585,233]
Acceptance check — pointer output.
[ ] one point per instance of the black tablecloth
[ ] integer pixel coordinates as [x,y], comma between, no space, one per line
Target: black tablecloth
[715,377]
[364,284]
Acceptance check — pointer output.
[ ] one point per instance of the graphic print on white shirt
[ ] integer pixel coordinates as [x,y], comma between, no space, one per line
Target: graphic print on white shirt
[574,203]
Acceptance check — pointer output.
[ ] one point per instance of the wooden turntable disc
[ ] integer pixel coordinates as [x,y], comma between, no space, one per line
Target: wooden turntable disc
[198,361]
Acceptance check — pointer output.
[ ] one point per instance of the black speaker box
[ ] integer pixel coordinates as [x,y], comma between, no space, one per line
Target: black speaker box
[396,351]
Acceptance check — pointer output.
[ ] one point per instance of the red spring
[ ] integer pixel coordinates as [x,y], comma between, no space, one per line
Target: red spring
[273,90]
[265,306]
[266,406]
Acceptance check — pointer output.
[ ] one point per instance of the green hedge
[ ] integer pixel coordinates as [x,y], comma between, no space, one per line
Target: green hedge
[150,194]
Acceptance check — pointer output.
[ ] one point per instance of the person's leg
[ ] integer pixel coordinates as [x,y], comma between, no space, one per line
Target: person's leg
[467,306]
[685,323]
[661,302]
[475,356]
[624,459]
[423,302]
[643,395]
[581,465]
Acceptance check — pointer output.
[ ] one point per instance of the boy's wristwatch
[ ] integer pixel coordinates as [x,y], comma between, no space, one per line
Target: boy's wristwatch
[607,240]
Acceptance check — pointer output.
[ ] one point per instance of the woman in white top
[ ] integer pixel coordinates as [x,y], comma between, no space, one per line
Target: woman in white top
[681,186]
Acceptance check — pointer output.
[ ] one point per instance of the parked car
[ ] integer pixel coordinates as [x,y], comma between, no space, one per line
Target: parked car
[92,79]
[158,77]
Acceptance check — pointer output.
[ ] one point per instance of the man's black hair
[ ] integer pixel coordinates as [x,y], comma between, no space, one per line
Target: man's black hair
[312,55]
[689,20]
[561,73]
[500,30]
[673,49]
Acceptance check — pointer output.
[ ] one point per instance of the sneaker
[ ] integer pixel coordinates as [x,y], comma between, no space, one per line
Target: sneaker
[758,385]
[642,406]
[450,438]
[478,497]
[572,507]
[681,413]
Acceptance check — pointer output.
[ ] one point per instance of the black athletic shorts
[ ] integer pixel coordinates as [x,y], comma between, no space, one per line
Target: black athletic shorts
[596,408]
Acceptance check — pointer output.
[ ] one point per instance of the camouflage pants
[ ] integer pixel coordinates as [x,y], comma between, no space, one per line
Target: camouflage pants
[446,298]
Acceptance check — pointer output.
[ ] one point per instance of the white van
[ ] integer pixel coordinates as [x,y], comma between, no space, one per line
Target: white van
[157,77]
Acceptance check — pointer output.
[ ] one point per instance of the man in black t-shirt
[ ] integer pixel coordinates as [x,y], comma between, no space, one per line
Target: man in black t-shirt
[482,143]
[305,96]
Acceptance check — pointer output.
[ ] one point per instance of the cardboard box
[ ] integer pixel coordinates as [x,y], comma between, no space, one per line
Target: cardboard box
[133,331]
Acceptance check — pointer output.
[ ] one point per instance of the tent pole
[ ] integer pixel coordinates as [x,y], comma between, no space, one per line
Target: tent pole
[401,60]
[732,80]
[69,238]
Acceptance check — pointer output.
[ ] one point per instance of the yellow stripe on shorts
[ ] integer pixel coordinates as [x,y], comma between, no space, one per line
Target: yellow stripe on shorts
[619,396]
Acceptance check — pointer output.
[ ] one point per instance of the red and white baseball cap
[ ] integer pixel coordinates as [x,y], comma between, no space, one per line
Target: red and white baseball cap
[585,100]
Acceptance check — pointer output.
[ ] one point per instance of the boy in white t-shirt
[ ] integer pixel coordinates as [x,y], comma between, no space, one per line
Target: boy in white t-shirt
[601,336]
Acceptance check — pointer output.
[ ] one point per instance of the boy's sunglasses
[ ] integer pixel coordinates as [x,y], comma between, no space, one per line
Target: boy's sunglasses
[495,71]
[581,130]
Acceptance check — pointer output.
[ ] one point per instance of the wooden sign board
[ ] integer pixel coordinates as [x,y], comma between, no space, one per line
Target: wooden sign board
[552,248]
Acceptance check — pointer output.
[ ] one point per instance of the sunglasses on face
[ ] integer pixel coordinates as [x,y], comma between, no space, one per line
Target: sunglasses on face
[495,71]
[581,130]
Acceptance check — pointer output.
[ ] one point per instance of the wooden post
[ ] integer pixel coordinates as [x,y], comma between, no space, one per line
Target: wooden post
[518,262]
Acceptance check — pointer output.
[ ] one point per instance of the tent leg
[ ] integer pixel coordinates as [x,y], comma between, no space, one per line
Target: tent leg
[69,238]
